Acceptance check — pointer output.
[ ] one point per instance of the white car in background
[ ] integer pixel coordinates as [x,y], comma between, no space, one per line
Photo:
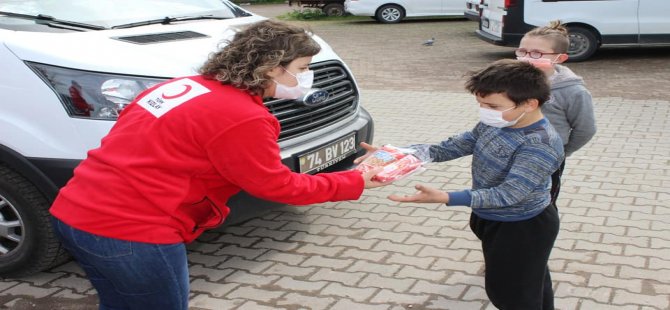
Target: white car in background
[591,24]
[385,11]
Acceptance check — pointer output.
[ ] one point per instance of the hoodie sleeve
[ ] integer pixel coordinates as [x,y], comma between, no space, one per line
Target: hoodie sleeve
[581,118]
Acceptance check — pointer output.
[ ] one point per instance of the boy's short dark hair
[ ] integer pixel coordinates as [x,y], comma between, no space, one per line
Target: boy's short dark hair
[518,80]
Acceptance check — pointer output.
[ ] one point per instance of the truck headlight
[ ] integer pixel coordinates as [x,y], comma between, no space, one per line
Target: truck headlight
[92,95]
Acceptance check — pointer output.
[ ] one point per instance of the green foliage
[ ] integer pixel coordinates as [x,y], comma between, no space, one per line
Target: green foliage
[305,14]
[258,1]
[311,14]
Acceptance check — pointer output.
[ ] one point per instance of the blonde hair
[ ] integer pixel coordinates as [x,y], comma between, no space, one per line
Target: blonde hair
[555,32]
[245,60]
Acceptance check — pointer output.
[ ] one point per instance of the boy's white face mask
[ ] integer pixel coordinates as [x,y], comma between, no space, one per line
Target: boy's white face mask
[305,81]
[495,118]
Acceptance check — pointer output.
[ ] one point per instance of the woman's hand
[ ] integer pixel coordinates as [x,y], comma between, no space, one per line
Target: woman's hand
[369,150]
[368,178]
[425,194]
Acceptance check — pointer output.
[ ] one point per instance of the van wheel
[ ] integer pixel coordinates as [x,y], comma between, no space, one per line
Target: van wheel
[334,9]
[27,241]
[583,43]
[390,14]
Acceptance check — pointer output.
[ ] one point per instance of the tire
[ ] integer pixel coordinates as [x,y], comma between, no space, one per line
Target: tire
[583,44]
[334,9]
[390,14]
[27,241]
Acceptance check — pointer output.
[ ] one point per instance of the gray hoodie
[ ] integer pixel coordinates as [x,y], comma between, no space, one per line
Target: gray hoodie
[570,109]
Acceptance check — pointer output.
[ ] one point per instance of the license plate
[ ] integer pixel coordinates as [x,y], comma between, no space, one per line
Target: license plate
[485,23]
[328,155]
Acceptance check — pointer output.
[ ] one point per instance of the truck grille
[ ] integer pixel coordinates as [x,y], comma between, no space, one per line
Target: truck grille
[297,119]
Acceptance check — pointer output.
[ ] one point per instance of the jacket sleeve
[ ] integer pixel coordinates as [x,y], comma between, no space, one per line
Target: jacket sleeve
[248,156]
[454,147]
[582,121]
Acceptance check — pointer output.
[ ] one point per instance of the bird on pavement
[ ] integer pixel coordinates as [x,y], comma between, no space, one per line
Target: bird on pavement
[429,42]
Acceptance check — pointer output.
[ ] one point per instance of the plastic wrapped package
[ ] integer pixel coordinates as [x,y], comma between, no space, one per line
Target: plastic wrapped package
[397,162]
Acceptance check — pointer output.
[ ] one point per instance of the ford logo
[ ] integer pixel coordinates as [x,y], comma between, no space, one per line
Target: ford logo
[314,97]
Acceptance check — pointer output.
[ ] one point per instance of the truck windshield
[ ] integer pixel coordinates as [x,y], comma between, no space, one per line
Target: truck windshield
[109,13]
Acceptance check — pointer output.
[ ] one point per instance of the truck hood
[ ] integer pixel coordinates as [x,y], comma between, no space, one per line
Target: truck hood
[111,51]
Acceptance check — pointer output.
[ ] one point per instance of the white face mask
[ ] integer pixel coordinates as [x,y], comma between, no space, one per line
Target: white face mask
[495,118]
[305,80]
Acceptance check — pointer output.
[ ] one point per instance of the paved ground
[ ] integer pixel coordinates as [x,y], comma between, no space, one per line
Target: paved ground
[392,57]
[612,251]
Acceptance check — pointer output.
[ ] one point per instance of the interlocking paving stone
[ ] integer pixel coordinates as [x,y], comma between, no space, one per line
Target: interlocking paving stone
[612,251]
[306,302]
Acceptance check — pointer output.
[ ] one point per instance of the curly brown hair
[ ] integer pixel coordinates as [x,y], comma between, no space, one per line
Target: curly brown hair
[245,60]
[556,33]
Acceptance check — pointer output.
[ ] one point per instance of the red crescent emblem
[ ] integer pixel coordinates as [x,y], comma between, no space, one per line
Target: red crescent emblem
[188,88]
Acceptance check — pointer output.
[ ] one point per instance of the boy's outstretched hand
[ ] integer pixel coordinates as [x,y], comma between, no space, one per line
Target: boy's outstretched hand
[425,194]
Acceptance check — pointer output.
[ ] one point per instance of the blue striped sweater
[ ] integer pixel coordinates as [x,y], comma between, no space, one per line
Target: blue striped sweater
[511,168]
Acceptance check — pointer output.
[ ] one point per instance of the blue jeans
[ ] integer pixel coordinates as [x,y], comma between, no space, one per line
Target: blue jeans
[130,275]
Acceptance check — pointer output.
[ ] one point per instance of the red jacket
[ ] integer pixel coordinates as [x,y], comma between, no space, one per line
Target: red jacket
[165,171]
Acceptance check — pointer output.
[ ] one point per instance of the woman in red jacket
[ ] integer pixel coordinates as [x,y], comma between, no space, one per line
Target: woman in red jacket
[165,171]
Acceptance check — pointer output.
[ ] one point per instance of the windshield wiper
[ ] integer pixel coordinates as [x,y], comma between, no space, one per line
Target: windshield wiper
[53,22]
[239,12]
[167,20]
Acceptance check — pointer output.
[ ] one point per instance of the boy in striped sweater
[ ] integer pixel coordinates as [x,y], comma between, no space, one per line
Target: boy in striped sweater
[514,153]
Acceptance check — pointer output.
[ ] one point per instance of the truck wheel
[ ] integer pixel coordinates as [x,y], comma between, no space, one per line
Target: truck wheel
[27,241]
[334,9]
[390,13]
[583,43]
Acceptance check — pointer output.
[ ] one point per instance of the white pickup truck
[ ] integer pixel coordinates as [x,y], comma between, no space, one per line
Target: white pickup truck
[67,68]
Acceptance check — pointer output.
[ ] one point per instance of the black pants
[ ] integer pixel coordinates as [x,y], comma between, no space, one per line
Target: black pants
[515,257]
[556,183]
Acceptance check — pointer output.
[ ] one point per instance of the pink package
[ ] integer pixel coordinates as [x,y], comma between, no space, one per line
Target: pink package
[380,158]
[399,169]
[397,163]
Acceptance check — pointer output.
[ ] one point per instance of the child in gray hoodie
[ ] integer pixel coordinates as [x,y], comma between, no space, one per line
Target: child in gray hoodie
[569,109]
